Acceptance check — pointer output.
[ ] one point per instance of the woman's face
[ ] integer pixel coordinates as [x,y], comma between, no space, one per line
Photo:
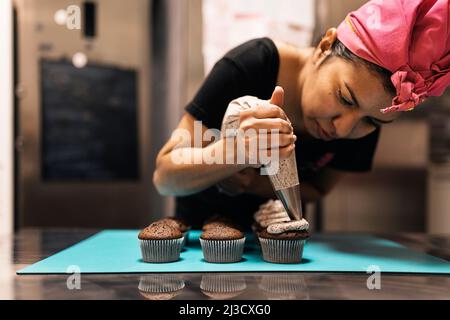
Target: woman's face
[342,99]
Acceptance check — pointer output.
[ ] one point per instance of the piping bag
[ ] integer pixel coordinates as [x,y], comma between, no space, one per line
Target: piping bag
[285,180]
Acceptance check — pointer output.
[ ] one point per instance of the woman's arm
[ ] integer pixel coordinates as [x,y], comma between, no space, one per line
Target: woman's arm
[172,178]
[250,181]
[188,178]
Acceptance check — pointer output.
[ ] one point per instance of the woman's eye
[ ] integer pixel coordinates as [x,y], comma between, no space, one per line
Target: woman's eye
[371,122]
[343,100]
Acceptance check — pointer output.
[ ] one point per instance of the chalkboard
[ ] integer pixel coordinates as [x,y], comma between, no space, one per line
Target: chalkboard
[89,122]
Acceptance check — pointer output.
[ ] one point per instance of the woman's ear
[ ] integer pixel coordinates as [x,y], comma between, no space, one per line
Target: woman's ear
[324,47]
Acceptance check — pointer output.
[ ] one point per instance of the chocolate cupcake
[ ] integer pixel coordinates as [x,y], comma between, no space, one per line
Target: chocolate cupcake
[219,221]
[268,213]
[160,242]
[284,242]
[216,224]
[180,224]
[222,244]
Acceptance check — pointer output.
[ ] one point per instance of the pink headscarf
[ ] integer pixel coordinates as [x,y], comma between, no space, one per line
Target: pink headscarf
[410,38]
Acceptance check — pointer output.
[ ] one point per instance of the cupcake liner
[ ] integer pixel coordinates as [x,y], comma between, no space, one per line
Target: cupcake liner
[222,251]
[161,250]
[160,283]
[222,286]
[282,251]
[223,283]
[283,286]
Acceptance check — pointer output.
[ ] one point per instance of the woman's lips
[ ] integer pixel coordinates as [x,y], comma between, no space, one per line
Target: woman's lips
[322,133]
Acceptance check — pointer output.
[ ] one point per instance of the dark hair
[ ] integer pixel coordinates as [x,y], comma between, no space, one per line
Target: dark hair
[338,49]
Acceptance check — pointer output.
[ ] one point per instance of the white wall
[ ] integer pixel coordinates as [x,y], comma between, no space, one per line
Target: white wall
[6,119]
[6,150]
[228,23]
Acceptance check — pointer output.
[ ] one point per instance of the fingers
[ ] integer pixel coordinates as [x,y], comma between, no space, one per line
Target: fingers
[263,152]
[263,112]
[284,152]
[267,146]
[277,97]
[270,141]
[281,125]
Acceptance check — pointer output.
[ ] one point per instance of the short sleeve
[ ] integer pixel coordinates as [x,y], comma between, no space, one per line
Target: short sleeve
[212,99]
[249,69]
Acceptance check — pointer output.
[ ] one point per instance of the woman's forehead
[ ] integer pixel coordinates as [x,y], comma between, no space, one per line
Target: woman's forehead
[367,89]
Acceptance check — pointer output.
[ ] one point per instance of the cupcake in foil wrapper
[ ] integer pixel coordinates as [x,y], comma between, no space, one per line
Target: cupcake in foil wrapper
[284,287]
[160,286]
[222,286]
[284,242]
[180,224]
[222,251]
[160,251]
[160,242]
[282,251]
[222,244]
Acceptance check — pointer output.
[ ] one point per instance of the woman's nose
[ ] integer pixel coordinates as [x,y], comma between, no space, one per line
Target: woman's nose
[345,124]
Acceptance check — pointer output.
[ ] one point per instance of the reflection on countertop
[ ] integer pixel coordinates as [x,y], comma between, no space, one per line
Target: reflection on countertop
[31,245]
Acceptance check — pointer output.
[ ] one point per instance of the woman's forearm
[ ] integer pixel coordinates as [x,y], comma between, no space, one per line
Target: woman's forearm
[184,171]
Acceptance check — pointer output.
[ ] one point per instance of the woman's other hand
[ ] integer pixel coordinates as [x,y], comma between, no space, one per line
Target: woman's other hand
[248,181]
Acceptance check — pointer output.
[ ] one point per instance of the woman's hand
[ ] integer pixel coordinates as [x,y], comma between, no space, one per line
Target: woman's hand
[247,181]
[237,183]
[269,118]
[182,179]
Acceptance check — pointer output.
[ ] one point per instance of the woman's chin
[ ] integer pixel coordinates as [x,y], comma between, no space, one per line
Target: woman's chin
[311,130]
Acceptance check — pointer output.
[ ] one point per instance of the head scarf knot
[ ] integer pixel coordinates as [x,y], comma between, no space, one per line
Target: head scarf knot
[410,38]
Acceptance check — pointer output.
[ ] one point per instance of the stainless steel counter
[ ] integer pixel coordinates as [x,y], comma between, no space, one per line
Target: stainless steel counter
[29,246]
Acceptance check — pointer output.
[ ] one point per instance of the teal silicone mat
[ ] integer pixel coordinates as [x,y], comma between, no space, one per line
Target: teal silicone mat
[117,251]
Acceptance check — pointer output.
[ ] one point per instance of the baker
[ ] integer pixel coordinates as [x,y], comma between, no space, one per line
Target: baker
[327,102]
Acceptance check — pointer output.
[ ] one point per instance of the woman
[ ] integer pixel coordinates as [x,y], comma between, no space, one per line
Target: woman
[383,58]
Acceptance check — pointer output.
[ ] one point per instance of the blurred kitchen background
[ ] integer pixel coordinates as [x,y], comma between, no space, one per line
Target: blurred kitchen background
[91,90]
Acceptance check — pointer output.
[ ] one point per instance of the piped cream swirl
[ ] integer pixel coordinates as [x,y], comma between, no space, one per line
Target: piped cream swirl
[296,225]
[273,216]
[271,212]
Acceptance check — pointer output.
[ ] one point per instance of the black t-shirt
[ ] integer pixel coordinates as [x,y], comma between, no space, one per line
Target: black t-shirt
[252,69]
